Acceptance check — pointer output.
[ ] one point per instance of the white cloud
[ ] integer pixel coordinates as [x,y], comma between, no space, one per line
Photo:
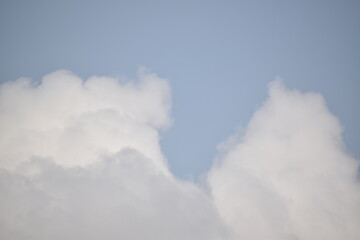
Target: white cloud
[74,121]
[289,177]
[81,159]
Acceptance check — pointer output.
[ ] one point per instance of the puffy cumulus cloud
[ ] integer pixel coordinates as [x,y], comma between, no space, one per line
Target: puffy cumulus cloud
[81,159]
[73,121]
[288,176]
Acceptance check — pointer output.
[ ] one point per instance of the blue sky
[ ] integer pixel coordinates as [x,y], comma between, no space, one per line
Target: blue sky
[218,56]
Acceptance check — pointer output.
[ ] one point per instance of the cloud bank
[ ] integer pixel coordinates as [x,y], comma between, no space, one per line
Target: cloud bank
[81,159]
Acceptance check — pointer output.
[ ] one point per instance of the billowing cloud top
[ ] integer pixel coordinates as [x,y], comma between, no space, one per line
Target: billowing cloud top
[80,159]
[73,121]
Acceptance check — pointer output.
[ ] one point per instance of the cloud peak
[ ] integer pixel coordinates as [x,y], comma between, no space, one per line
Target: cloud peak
[288,177]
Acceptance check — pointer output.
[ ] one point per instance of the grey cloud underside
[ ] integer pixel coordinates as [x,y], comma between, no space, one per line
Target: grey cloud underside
[82,160]
[122,196]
